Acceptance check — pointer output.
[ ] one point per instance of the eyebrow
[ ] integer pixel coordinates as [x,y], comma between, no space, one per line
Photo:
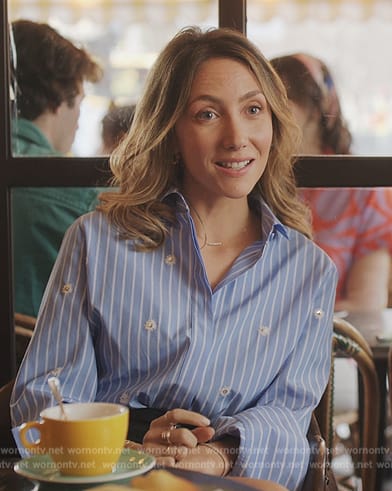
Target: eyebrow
[211,98]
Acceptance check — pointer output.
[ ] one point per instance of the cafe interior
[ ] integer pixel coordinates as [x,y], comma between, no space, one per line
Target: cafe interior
[352,38]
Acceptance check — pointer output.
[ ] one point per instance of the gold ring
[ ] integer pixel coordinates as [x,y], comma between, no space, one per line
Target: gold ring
[165,435]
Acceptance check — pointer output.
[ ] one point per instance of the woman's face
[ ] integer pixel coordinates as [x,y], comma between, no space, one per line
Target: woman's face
[225,133]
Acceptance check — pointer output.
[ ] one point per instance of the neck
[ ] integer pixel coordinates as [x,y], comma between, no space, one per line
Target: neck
[224,227]
[204,241]
[47,124]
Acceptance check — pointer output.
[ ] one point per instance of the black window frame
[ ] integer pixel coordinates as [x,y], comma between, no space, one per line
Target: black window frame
[311,171]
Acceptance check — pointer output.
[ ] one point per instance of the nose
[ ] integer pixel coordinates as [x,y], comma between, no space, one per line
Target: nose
[234,134]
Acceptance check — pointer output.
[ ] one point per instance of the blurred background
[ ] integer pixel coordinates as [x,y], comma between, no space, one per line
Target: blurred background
[351,36]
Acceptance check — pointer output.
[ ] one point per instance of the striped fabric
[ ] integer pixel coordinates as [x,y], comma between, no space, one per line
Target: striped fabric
[145,329]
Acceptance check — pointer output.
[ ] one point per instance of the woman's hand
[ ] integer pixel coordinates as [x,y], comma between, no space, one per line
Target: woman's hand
[215,458]
[170,442]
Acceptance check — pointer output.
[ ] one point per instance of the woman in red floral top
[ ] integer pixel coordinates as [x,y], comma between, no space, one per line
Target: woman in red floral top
[353,225]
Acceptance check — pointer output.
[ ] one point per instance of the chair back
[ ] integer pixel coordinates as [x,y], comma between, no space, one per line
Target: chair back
[348,342]
[319,475]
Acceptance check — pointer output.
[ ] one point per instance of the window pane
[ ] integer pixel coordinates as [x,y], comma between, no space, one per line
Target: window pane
[125,36]
[351,37]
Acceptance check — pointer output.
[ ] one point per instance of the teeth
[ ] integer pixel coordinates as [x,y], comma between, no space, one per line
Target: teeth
[234,165]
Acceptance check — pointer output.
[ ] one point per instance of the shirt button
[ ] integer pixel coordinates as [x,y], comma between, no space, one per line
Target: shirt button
[170,259]
[264,330]
[67,288]
[318,313]
[150,325]
[224,391]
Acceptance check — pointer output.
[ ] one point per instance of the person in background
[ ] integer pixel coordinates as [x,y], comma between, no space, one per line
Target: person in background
[194,293]
[115,124]
[354,226]
[49,74]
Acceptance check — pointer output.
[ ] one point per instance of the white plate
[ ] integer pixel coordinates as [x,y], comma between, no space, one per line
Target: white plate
[41,468]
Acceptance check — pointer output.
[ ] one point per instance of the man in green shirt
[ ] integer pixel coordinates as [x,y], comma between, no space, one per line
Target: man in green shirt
[49,74]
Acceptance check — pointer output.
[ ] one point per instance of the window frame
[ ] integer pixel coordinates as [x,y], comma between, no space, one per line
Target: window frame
[311,171]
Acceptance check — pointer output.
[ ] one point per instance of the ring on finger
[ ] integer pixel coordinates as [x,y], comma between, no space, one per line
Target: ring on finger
[165,435]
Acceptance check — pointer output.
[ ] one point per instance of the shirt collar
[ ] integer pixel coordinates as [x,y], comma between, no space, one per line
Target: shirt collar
[269,222]
[29,137]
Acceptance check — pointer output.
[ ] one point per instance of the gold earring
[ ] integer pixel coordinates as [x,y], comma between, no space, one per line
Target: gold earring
[176,159]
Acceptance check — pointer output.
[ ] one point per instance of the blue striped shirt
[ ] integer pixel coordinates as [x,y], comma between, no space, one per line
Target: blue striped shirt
[146,330]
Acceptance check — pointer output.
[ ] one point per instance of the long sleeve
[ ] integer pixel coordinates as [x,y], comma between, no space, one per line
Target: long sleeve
[273,442]
[63,341]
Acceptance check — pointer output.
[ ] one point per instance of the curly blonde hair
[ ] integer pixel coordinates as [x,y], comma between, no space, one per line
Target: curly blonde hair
[142,165]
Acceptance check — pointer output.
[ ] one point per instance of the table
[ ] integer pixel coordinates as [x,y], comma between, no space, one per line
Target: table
[376,328]
[9,480]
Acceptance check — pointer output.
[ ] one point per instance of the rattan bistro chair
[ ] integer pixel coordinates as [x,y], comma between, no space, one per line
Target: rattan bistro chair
[319,476]
[7,448]
[348,342]
[24,326]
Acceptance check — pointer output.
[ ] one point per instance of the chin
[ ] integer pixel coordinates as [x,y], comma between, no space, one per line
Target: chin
[239,193]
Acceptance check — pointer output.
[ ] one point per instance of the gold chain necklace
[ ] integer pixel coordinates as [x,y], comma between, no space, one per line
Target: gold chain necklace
[205,239]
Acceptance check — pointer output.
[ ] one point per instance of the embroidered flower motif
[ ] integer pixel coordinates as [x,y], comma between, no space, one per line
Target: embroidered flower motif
[170,259]
[150,325]
[224,391]
[318,313]
[67,288]
[124,398]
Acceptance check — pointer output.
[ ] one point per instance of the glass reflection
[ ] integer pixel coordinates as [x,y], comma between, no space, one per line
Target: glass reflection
[124,37]
[49,73]
[350,37]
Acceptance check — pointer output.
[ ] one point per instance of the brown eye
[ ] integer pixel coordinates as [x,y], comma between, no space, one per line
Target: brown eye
[254,110]
[207,115]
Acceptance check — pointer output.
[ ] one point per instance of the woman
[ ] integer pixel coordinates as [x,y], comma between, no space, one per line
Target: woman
[352,225]
[194,294]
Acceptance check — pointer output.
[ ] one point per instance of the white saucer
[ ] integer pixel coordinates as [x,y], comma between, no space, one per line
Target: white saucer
[41,468]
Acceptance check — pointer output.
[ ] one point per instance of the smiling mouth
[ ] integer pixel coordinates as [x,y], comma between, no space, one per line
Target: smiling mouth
[234,165]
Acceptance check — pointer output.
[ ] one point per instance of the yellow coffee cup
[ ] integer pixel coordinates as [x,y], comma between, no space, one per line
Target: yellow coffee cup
[88,442]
